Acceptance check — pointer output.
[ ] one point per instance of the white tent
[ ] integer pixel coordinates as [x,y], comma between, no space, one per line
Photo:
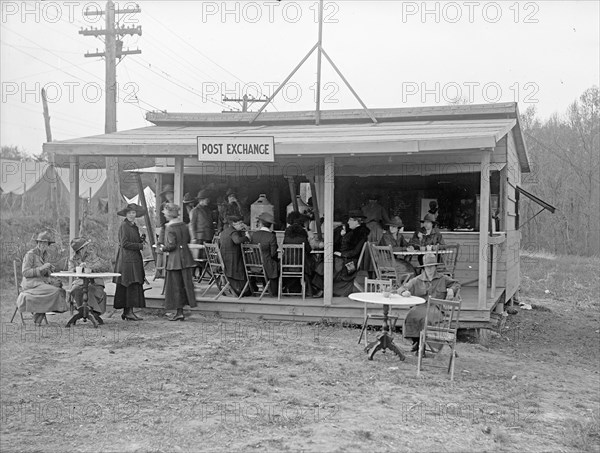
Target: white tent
[148,195]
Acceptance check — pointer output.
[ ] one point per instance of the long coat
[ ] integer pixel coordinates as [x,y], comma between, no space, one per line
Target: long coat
[376,215]
[231,251]
[350,247]
[396,242]
[37,295]
[420,286]
[201,224]
[268,249]
[129,262]
[179,286]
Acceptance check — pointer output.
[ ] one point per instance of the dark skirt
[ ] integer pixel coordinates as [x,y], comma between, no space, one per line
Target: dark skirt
[131,296]
[415,320]
[179,289]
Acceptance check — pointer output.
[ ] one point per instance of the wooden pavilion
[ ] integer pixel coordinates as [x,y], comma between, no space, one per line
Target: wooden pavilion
[480,147]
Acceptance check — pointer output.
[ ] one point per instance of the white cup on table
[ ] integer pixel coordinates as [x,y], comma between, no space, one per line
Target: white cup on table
[78,269]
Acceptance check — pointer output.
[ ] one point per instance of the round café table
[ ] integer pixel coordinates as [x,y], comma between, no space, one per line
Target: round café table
[83,312]
[385,340]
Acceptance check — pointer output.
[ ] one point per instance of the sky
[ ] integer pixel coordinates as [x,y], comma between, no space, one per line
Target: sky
[196,53]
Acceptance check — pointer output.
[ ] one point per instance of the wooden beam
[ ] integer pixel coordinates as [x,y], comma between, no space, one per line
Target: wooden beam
[292,185]
[315,206]
[484,212]
[178,185]
[328,213]
[74,200]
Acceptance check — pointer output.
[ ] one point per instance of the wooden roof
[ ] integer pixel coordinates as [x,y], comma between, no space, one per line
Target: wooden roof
[417,130]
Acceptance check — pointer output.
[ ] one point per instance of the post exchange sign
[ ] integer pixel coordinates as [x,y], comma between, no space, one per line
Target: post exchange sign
[219,148]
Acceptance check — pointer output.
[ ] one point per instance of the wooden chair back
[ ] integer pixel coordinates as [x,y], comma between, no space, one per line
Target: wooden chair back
[292,266]
[449,260]
[383,262]
[17,289]
[217,268]
[253,263]
[373,285]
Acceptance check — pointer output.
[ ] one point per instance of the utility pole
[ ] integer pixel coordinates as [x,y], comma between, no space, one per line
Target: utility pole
[113,50]
[54,195]
[245,100]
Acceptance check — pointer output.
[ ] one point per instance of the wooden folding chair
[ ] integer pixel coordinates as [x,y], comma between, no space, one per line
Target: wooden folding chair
[442,331]
[383,261]
[292,266]
[449,260]
[217,269]
[18,289]
[253,263]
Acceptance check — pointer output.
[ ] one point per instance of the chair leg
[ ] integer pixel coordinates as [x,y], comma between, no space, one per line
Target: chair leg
[420,353]
[14,314]
[363,331]
[265,288]
[452,360]
[303,283]
[244,288]
[223,290]
[280,285]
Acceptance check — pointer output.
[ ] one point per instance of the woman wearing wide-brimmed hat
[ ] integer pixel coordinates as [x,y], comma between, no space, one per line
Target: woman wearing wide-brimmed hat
[232,208]
[38,295]
[129,292]
[393,237]
[201,220]
[84,256]
[233,236]
[179,285]
[429,283]
[427,237]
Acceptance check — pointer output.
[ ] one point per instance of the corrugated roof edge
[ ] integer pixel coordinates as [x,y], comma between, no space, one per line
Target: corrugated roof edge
[431,113]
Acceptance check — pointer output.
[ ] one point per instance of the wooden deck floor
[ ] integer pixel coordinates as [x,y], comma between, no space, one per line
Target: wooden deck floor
[293,308]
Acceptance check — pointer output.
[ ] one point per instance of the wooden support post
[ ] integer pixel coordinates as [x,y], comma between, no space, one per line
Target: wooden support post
[149,229]
[315,206]
[178,185]
[292,184]
[494,256]
[73,200]
[328,213]
[484,212]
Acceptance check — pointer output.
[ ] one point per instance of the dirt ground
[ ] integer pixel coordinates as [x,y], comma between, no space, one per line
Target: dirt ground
[210,384]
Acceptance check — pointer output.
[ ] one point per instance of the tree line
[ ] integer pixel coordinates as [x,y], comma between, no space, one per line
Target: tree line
[564,153]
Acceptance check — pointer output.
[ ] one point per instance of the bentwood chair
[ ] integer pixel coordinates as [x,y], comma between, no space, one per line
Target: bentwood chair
[217,270]
[18,290]
[292,267]
[383,261]
[253,263]
[449,260]
[441,331]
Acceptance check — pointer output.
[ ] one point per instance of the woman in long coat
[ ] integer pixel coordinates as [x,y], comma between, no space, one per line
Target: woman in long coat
[129,292]
[267,241]
[393,237]
[38,295]
[296,234]
[231,239]
[179,285]
[85,257]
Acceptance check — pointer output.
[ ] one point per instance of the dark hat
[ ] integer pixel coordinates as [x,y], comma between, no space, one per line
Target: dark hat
[266,217]
[139,211]
[429,218]
[79,243]
[356,214]
[167,188]
[295,217]
[429,259]
[395,221]
[45,236]
[433,204]
[187,198]
[203,194]
[234,218]
[231,191]
[171,208]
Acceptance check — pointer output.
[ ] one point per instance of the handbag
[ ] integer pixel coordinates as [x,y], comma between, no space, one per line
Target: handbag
[350,267]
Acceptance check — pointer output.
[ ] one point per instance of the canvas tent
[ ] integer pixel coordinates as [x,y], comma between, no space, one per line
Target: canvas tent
[28,185]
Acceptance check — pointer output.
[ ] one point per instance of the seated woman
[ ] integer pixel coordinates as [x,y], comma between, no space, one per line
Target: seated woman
[232,237]
[40,294]
[426,236]
[348,242]
[393,237]
[85,257]
[266,239]
[295,233]
[428,283]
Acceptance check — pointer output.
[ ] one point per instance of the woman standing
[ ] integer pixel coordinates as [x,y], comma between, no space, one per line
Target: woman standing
[39,296]
[179,286]
[129,263]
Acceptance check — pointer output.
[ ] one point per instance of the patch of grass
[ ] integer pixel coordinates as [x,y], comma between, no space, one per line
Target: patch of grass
[500,437]
[364,434]
[584,435]
[272,381]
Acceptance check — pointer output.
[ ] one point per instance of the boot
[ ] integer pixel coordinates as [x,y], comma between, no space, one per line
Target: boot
[178,316]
